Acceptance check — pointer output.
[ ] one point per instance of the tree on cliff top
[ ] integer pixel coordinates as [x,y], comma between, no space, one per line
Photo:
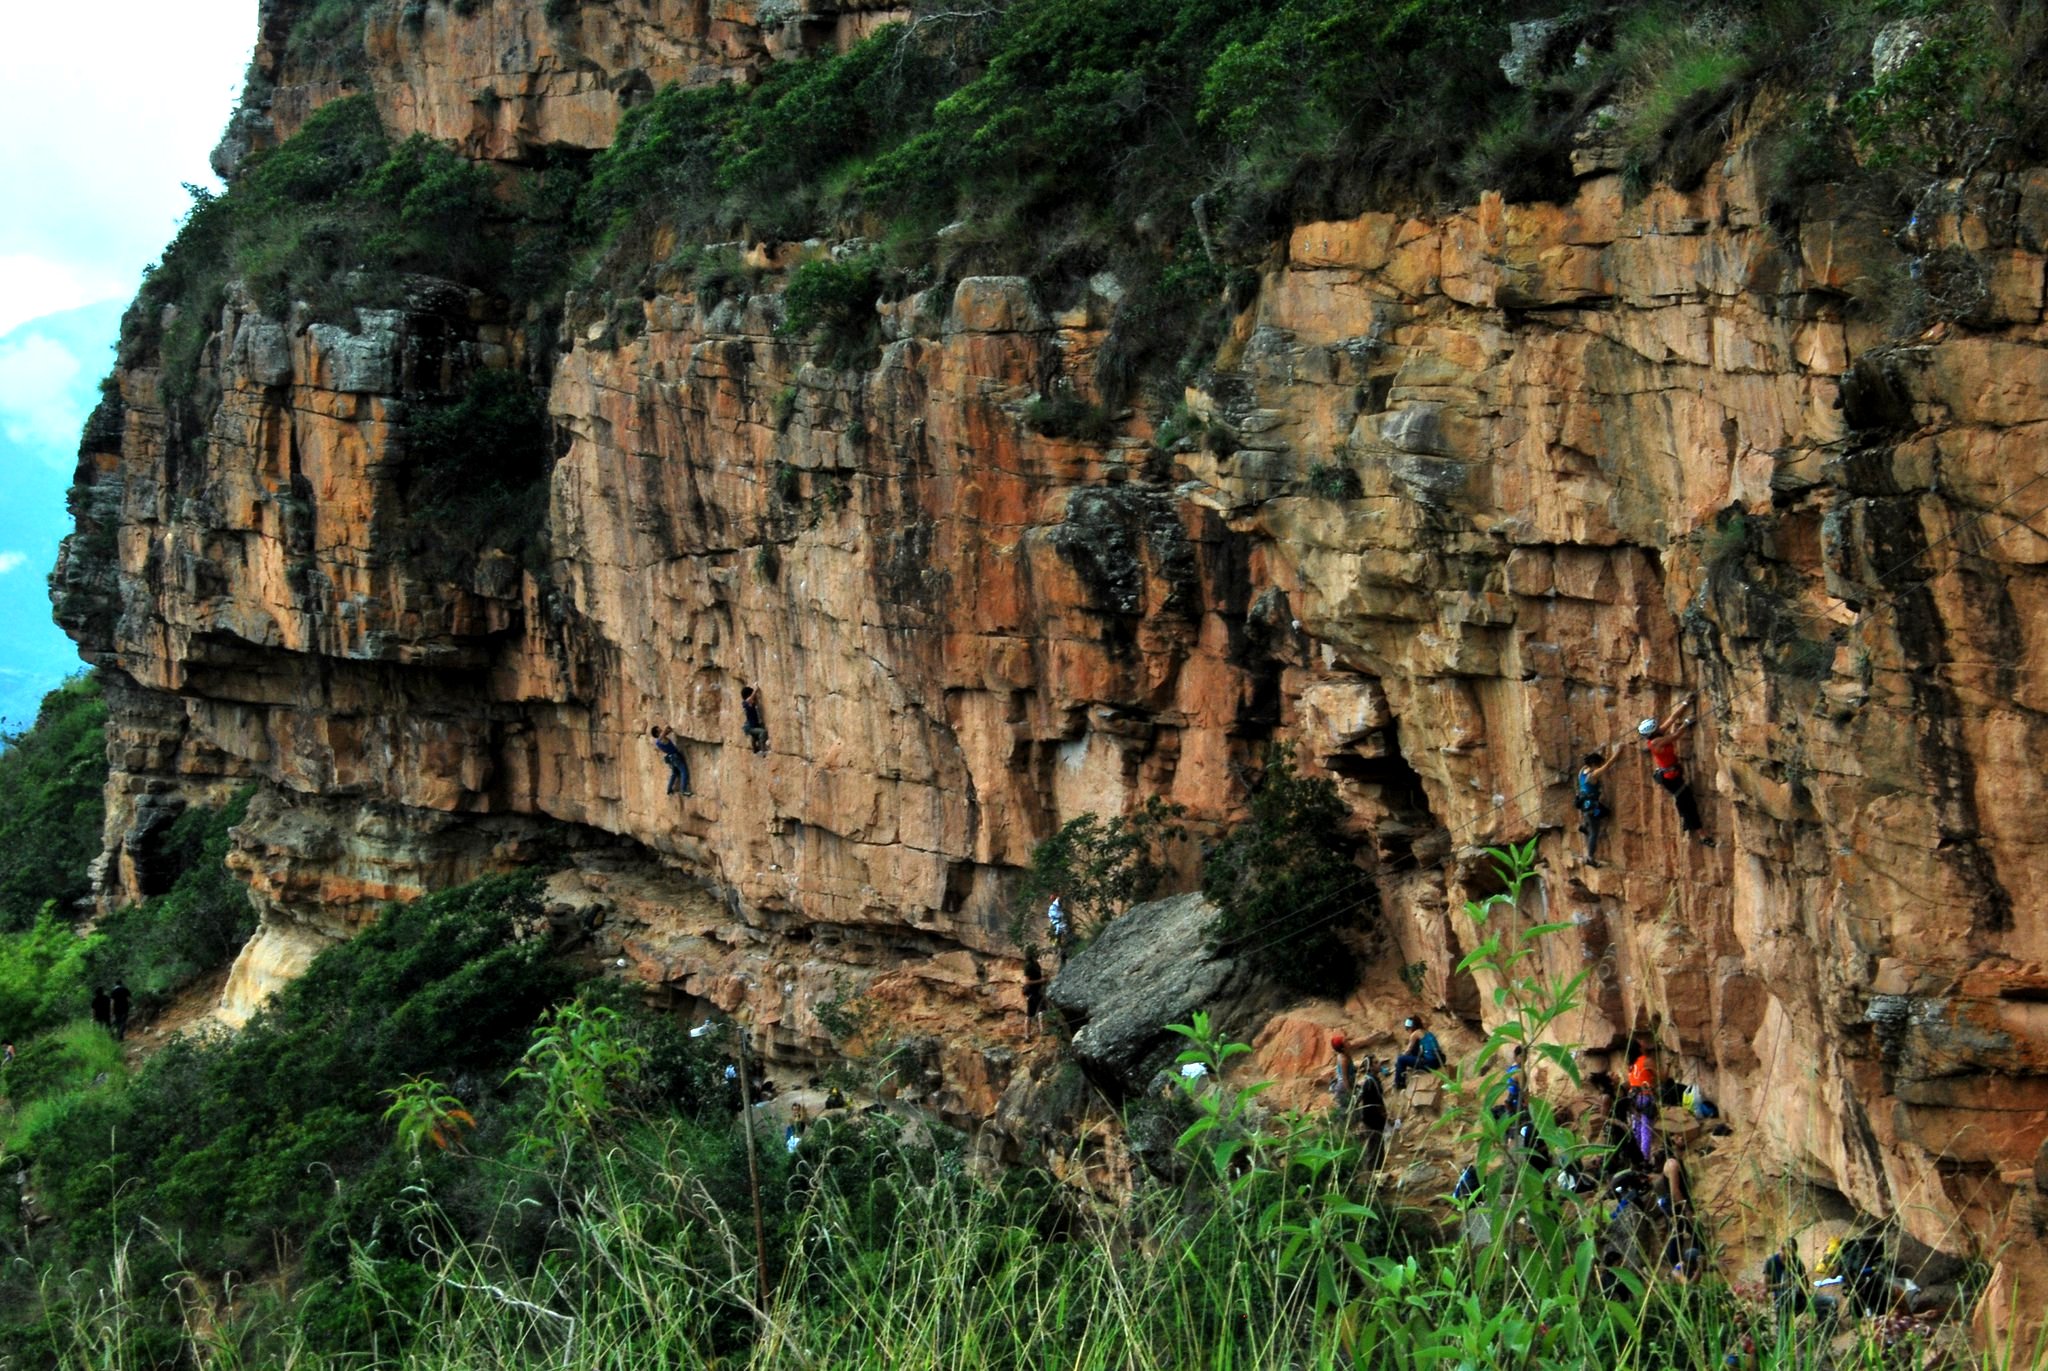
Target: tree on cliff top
[1282,878]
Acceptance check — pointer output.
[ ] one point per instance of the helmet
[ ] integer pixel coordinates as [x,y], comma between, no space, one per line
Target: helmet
[1647,727]
[1337,1041]
[1410,1023]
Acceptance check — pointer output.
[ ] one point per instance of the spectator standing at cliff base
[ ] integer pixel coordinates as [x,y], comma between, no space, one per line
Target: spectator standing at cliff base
[751,725]
[1034,991]
[672,757]
[1344,1079]
[1369,1113]
[118,1003]
[1660,737]
[102,1008]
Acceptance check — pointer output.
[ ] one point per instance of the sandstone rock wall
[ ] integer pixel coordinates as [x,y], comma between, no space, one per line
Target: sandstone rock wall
[1474,492]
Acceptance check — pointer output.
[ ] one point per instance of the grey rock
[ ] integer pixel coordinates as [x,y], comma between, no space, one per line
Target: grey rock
[1894,46]
[365,363]
[1530,47]
[1433,481]
[262,352]
[1146,970]
[1415,428]
[248,129]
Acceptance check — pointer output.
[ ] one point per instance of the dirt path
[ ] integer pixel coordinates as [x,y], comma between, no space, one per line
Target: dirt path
[192,1009]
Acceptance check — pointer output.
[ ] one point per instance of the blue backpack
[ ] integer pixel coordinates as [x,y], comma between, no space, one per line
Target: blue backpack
[1428,1053]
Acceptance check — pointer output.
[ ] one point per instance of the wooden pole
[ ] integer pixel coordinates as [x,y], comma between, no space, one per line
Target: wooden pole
[753,1174]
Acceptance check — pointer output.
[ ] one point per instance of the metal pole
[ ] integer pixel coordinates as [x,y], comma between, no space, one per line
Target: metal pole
[753,1174]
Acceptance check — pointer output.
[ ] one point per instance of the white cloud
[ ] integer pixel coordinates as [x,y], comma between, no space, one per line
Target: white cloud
[102,128]
[39,403]
[10,561]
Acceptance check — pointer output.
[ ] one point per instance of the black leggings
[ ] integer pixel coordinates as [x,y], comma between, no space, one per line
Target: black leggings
[1681,794]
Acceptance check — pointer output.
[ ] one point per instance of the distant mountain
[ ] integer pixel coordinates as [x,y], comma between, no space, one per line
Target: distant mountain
[50,369]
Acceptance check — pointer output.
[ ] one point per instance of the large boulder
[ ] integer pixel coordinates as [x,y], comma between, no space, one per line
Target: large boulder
[1151,968]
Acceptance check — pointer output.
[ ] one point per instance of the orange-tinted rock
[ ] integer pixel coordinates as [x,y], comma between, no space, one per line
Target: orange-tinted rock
[1606,454]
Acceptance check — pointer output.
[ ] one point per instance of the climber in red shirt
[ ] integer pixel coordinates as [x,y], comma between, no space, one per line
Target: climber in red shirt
[1661,738]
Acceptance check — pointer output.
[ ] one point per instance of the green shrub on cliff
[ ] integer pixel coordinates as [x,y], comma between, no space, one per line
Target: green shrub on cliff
[477,474]
[1284,882]
[51,806]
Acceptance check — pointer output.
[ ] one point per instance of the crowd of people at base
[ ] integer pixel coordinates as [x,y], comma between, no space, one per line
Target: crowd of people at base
[671,752]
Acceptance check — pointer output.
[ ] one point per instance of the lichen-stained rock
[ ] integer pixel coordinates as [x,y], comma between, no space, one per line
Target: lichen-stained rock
[1464,495]
[1150,968]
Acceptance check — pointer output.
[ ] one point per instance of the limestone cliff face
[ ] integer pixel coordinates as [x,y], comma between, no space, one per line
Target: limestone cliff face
[1478,490]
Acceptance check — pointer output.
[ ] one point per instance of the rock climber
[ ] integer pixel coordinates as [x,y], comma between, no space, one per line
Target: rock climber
[1515,1076]
[750,708]
[1591,803]
[1424,1052]
[672,756]
[1661,738]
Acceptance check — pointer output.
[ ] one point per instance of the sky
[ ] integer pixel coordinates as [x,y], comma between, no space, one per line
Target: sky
[107,112]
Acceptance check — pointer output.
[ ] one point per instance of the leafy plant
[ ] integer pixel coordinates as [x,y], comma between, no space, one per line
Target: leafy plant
[423,1111]
[1283,880]
[835,302]
[1100,868]
[51,780]
[584,1063]
[1334,481]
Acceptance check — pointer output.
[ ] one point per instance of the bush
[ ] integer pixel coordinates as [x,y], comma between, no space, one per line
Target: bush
[215,1138]
[168,941]
[1100,869]
[52,807]
[42,976]
[835,302]
[1283,881]
[479,468]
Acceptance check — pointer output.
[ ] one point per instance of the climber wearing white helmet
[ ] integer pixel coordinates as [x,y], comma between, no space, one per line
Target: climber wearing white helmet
[1661,738]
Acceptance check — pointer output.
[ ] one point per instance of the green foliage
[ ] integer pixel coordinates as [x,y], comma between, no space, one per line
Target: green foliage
[479,466]
[584,1063]
[1066,415]
[1333,481]
[423,1111]
[835,301]
[1100,868]
[42,976]
[213,1139]
[51,805]
[63,1059]
[168,941]
[337,217]
[1283,880]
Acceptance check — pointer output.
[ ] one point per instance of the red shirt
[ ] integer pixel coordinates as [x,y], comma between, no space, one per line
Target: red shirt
[1642,1075]
[1664,753]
